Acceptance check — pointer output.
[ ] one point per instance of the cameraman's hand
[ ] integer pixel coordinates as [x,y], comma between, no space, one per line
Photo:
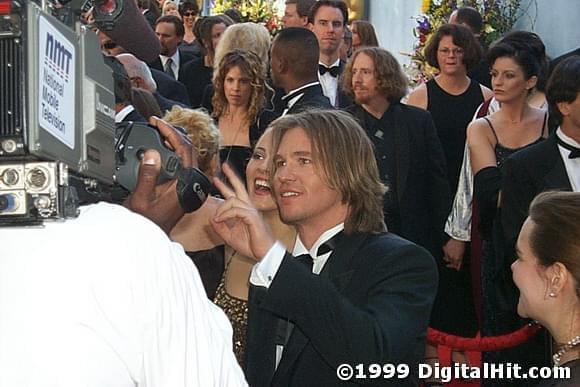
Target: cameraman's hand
[238,222]
[160,203]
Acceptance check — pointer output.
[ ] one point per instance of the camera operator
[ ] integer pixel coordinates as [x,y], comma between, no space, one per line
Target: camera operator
[106,299]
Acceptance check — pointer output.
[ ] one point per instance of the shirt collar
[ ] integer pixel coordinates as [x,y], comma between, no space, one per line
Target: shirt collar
[566,139]
[292,93]
[300,249]
[337,63]
[120,116]
[174,58]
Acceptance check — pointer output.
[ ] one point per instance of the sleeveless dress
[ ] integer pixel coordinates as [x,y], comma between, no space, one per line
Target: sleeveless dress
[453,310]
[451,115]
[236,309]
[499,293]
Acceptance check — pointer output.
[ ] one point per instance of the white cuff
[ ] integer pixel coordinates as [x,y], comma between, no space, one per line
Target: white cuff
[263,272]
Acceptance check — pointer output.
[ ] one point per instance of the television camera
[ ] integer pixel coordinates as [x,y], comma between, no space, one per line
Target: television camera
[58,137]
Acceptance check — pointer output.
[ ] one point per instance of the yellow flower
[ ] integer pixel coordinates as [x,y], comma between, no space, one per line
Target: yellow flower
[425,6]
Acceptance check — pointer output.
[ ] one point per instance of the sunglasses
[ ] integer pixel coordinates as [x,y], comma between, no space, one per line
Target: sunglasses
[189,13]
[109,45]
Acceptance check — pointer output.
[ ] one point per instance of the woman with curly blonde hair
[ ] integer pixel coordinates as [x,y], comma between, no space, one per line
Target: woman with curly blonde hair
[238,100]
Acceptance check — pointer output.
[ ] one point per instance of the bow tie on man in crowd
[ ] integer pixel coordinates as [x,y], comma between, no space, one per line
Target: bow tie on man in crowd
[334,70]
[574,152]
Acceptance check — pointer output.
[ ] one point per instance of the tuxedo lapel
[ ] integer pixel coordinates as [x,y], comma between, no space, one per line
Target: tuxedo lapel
[339,270]
[557,177]
[401,149]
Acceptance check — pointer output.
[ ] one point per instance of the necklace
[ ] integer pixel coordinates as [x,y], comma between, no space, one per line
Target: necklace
[568,346]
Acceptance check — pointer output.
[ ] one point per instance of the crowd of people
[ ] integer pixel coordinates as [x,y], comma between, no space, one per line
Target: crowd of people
[349,213]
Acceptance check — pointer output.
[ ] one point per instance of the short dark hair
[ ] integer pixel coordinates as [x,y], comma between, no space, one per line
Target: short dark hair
[470,17]
[341,5]
[176,21]
[462,37]
[189,6]
[301,47]
[529,52]
[234,14]
[563,85]
[303,7]
[391,80]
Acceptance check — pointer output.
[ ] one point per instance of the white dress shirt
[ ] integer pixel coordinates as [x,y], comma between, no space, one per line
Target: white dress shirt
[330,84]
[572,165]
[264,272]
[174,64]
[106,299]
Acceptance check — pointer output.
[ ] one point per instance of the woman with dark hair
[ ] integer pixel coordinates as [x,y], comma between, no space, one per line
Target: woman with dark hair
[363,35]
[515,67]
[189,11]
[238,100]
[208,32]
[547,274]
[452,98]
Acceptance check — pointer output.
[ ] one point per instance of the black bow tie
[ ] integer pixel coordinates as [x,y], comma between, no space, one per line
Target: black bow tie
[334,70]
[326,247]
[574,152]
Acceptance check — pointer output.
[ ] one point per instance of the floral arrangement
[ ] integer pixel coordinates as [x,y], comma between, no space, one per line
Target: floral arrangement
[498,17]
[258,11]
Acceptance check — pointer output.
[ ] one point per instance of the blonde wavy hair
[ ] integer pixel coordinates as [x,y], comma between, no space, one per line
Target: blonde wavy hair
[244,36]
[251,67]
[201,130]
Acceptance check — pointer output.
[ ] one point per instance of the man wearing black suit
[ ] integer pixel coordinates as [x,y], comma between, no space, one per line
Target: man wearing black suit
[553,164]
[170,88]
[328,20]
[171,61]
[293,63]
[409,155]
[350,293]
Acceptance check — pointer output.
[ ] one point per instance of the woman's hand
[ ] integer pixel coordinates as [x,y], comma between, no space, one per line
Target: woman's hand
[237,222]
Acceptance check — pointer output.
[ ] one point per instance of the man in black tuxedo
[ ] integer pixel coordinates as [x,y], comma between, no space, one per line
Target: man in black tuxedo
[328,20]
[170,31]
[553,164]
[408,152]
[294,68]
[350,292]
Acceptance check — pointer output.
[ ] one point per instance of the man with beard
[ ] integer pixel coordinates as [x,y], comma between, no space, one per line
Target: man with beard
[169,30]
[408,152]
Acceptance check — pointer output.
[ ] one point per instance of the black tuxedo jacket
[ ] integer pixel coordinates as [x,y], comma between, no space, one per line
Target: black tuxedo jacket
[169,87]
[416,174]
[527,173]
[344,100]
[166,104]
[184,57]
[370,304]
[313,98]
